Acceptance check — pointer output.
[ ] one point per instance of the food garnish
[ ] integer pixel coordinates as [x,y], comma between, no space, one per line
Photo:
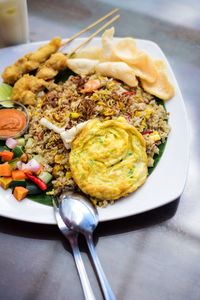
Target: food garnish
[91,85]
[6,155]
[5,170]
[17,174]
[128,93]
[11,143]
[20,193]
[5,94]
[5,182]
[33,165]
[41,184]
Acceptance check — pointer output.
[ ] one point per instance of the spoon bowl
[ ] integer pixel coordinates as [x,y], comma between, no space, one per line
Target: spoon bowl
[78,212]
[80,215]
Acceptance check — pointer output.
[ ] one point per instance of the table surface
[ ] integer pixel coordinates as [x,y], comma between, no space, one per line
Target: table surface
[155,255]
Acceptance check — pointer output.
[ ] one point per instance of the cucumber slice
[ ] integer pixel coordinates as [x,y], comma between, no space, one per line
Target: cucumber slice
[21,142]
[33,189]
[2,148]
[38,158]
[29,142]
[5,94]
[18,151]
[45,176]
[13,163]
[21,182]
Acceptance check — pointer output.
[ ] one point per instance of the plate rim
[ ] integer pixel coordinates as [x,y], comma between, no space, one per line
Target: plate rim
[51,220]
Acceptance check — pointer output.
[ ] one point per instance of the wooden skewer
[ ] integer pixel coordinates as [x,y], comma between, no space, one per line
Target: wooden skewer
[95,33]
[90,26]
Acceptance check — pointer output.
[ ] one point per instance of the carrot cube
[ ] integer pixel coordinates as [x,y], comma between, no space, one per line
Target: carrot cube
[17,174]
[5,182]
[20,193]
[6,155]
[5,170]
[27,171]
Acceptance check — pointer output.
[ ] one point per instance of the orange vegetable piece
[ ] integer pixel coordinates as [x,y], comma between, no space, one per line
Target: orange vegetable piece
[5,182]
[39,171]
[6,155]
[5,170]
[27,171]
[91,85]
[20,193]
[24,158]
[18,174]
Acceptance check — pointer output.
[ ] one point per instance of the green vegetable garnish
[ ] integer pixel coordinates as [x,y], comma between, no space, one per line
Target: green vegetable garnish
[100,140]
[91,162]
[130,172]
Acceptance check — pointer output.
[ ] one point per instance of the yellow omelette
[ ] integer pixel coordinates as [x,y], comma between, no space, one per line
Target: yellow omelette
[108,159]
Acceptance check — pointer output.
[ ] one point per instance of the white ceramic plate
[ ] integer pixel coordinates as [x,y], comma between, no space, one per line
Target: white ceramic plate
[165,184]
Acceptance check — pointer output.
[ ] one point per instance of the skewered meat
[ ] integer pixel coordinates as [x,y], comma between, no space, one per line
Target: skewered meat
[30,61]
[57,62]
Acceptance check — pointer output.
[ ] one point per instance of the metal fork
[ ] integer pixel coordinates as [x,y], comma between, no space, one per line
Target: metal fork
[73,240]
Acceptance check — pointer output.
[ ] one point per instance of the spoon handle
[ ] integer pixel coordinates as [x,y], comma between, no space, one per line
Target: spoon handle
[88,293]
[108,294]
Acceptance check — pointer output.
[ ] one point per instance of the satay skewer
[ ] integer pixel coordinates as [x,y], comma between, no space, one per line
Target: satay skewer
[90,26]
[50,68]
[32,61]
[93,35]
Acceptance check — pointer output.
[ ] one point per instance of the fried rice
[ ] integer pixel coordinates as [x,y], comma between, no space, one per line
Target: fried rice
[65,104]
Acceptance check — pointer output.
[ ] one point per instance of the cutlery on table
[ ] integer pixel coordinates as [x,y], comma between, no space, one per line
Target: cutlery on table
[72,237]
[80,215]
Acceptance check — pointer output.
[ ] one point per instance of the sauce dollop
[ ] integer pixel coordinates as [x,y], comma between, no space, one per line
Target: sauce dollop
[11,121]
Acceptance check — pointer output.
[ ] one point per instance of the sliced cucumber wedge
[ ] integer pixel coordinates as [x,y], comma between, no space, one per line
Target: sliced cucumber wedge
[38,158]
[18,151]
[45,176]
[21,141]
[13,163]
[21,182]
[29,142]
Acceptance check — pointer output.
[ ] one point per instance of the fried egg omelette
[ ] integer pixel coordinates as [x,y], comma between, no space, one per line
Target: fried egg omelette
[108,159]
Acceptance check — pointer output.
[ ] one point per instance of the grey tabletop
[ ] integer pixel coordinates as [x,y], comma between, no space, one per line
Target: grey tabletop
[154,255]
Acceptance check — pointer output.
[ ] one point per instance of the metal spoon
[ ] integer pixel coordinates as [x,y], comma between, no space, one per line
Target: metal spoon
[72,237]
[80,215]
